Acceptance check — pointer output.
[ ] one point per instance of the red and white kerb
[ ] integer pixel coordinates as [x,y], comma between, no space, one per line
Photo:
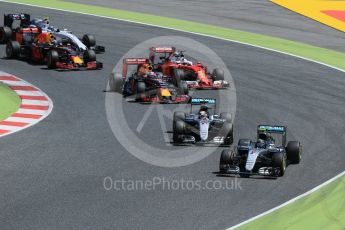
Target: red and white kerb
[35,105]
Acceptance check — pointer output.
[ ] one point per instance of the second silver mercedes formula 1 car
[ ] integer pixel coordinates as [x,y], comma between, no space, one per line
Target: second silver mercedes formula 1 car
[203,126]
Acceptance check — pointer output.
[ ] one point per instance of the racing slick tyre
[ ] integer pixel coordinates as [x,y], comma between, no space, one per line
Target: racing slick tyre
[178,129]
[183,88]
[178,76]
[5,34]
[89,40]
[89,56]
[279,161]
[218,74]
[243,143]
[226,159]
[52,59]
[141,89]
[228,133]
[178,116]
[12,49]
[226,116]
[116,83]
[293,152]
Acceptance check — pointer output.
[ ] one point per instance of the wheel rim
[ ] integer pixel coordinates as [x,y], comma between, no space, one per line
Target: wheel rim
[284,163]
[9,51]
[49,60]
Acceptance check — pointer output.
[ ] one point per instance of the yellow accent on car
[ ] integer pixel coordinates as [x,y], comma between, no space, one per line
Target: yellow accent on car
[77,60]
[165,93]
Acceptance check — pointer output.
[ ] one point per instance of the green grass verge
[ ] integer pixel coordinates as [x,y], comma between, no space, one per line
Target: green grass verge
[323,55]
[9,102]
[323,209]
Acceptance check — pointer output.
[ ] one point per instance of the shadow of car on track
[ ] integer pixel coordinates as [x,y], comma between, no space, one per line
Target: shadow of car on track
[254,177]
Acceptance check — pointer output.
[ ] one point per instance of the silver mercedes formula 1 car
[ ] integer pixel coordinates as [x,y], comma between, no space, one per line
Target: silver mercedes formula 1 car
[203,126]
[268,156]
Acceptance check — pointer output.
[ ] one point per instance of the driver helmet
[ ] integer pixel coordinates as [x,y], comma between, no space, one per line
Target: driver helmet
[203,114]
[51,38]
[46,21]
[270,139]
[204,108]
[263,136]
[144,69]
[175,57]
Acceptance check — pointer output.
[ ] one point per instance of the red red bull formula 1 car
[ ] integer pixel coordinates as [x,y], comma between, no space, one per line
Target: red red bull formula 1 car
[146,86]
[174,64]
[34,45]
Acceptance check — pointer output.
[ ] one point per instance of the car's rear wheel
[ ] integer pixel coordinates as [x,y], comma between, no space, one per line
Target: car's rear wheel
[244,142]
[52,59]
[218,74]
[12,49]
[226,116]
[89,40]
[279,161]
[228,133]
[293,152]
[116,82]
[5,34]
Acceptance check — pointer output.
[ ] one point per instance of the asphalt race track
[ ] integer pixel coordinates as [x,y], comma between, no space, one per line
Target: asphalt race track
[52,174]
[257,16]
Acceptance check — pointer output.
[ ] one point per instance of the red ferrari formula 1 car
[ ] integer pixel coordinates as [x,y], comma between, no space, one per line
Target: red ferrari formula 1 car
[172,63]
[147,86]
[33,44]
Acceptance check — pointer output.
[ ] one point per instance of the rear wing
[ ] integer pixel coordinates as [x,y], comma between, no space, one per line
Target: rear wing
[203,101]
[23,18]
[278,129]
[161,50]
[272,129]
[132,61]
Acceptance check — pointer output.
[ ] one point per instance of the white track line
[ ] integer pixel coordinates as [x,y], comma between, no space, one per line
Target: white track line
[21,119]
[224,39]
[35,102]
[15,83]
[185,31]
[28,93]
[288,202]
[12,129]
[32,111]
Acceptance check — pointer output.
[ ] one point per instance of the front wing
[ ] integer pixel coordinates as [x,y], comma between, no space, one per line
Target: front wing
[88,66]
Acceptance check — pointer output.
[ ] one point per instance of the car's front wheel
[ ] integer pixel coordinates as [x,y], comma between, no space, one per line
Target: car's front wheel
[52,59]
[178,130]
[279,161]
[226,160]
